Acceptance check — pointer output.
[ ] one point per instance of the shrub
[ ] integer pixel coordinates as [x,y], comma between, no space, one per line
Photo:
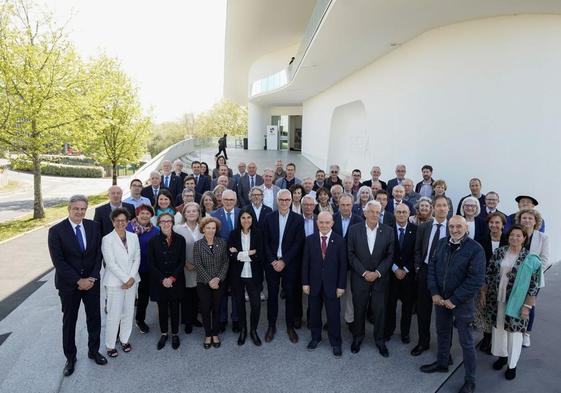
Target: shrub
[53,169]
[68,160]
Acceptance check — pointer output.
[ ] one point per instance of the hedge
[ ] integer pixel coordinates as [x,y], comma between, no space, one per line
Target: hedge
[67,160]
[52,169]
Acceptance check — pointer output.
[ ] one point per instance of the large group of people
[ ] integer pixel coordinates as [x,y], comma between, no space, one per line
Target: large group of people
[205,243]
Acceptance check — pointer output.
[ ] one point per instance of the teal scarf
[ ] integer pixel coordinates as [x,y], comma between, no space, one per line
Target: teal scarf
[531,264]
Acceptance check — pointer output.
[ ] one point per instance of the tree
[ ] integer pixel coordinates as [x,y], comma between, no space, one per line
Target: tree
[119,130]
[224,117]
[41,87]
[166,134]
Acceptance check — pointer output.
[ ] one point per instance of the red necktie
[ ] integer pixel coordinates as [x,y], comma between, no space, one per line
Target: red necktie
[323,246]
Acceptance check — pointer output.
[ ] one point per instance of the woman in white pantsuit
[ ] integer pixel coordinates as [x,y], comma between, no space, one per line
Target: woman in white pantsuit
[121,253]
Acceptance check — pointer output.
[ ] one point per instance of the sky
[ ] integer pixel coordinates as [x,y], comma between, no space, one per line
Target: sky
[172,49]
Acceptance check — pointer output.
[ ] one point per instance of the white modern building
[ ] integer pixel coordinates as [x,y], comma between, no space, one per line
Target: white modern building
[471,87]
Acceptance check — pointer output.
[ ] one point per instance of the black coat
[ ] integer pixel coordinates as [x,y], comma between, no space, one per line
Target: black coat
[164,262]
[265,211]
[404,256]
[255,243]
[292,240]
[102,216]
[487,245]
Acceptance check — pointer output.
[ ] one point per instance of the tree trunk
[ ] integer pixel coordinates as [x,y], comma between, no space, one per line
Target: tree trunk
[38,209]
[114,170]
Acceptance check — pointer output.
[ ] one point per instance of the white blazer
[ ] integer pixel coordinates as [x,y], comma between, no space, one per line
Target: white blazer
[540,246]
[120,263]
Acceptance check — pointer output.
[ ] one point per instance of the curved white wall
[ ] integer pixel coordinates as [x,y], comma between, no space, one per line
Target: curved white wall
[479,98]
[348,128]
[272,63]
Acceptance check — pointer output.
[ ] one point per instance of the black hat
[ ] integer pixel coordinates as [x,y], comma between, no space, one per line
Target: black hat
[534,200]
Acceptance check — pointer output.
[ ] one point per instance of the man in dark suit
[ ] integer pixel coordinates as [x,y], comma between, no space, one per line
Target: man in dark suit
[178,172]
[202,181]
[308,206]
[324,279]
[223,172]
[428,235]
[284,232]
[75,249]
[375,174]
[397,198]
[153,188]
[370,248]
[424,187]
[402,283]
[386,217]
[247,182]
[102,213]
[168,181]
[189,183]
[258,210]
[491,203]
[400,171]
[475,189]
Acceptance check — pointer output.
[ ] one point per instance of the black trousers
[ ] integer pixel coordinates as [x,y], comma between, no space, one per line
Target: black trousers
[168,309]
[403,290]
[288,279]
[189,305]
[70,301]
[221,150]
[143,296]
[209,300]
[253,287]
[362,294]
[424,306]
[333,311]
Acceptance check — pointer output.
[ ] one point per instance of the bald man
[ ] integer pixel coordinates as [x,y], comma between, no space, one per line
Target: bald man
[324,279]
[456,274]
[102,213]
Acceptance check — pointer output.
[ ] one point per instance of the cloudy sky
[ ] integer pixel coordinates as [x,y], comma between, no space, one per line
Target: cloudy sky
[173,49]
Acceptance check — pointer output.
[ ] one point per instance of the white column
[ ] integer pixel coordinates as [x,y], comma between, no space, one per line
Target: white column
[257,119]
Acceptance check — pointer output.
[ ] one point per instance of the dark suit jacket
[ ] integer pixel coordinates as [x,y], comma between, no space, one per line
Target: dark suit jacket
[483,215]
[243,188]
[180,179]
[148,192]
[292,240]
[221,215]
[391,184]
[203,184]
[166,261]
[381,258]
[389,219]
[487,245]
[481,229]
[390,206]
[404,256]
[338,223]
[369,184]
[102,216]
[255,243]
[327,273]
[265,211]
[175,186]
[71,264]
[422,242]
[420,184]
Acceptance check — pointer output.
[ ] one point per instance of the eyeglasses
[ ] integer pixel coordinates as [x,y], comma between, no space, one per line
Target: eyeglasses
[257,195]
[334,171]
[120,221]
[285,200]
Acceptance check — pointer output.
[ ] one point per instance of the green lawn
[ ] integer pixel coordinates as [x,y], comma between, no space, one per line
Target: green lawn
[21,225]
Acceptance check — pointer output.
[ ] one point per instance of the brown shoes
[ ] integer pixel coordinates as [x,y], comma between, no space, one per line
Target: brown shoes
[270,334]
[292,335]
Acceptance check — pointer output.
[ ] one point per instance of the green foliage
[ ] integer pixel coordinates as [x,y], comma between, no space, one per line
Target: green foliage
[166,134]
[224,117]
[68,160]
[52,169]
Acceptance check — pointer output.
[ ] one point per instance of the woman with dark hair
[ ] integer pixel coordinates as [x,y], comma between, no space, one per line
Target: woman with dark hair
[220,160]
[246,272]
[164,204]
[439,189]
[211,262]
[121,253]
[204,168]
[297,192]
[166,256]
[511,286]
[493,240]
[208,204]
[323,196]
[143,228]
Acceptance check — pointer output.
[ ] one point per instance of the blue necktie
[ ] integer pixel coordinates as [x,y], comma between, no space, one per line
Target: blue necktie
[80,239]
[401,236]
[167,181]
[229,219]
[252,183]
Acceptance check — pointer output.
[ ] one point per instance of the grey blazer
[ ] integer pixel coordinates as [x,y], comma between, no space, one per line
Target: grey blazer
[422,242]
[275,192]
[540,246]
[244,188]
[210,263]
[360,257]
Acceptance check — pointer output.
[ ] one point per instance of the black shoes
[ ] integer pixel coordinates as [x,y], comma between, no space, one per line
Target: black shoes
[242,337]
[175,341]
[485,344]
[142,327]
[292,336]
[312,345]
[468,387]
[297,323]
[500,363]
[98,358]
[216,343]
[419,349]
[405,339]
[222,327]
[188,329]
[337,352]
[255,337]
[434,368]
[69,367]
[197,323]
[355,346]
[510,373]
[383,350]
[207,345]
[162,341]
[270,334]
[235,327]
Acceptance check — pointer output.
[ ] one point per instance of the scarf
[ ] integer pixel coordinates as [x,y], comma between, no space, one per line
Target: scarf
[531,264]
[140,229]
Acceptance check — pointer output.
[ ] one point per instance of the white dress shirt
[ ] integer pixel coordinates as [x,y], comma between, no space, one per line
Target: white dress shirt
[268,196]
[257,211]
[432,233]
[371,235]
[282,226]
[243,255]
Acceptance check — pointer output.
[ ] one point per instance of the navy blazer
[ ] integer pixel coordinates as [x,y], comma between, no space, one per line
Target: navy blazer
[390,206]
[329,273]
[102,216]
[265,211]
[391,184]
[481,229]
[389,219]
[71,264]
[338,224]
[292,240]
[148,192]
[203,184]
[243,188]
[255,243]
[369,184]
[224,233]
[404,256]
[175,186]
